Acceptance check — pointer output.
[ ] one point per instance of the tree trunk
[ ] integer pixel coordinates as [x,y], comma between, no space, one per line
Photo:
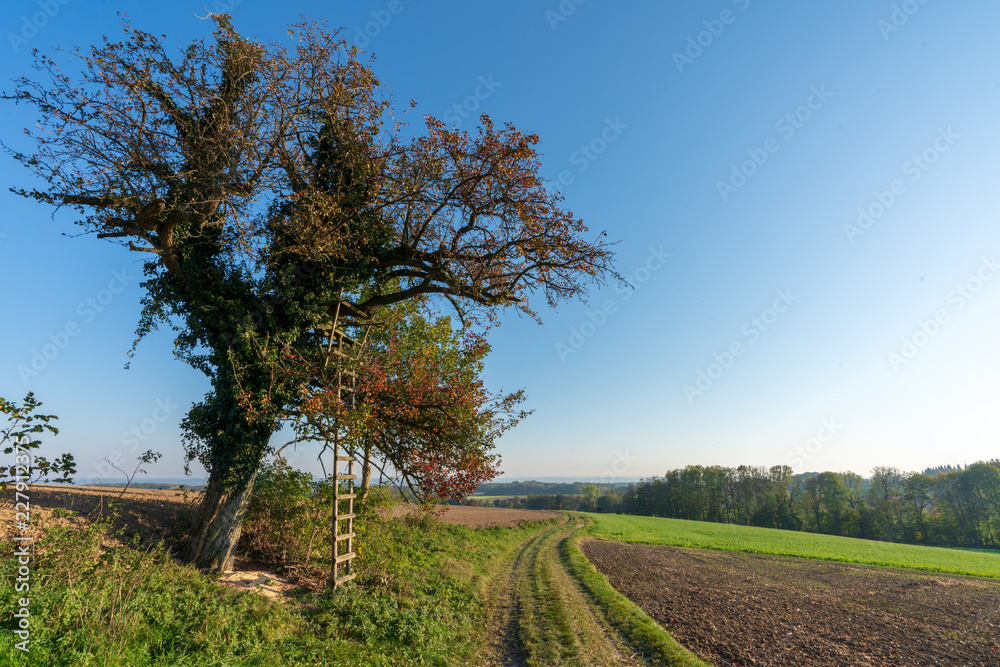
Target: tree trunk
[366,471]
[218,527]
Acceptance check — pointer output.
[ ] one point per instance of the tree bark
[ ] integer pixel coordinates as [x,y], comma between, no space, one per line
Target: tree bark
[219,525]
[366,471]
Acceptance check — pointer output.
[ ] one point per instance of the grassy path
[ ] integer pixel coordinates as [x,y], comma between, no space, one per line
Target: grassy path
[556,622]
[547,617]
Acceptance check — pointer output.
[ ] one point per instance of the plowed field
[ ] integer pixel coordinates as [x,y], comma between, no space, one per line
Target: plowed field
[488,517]
[749,609]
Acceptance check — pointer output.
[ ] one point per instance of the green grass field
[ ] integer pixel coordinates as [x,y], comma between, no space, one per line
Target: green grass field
[702,535]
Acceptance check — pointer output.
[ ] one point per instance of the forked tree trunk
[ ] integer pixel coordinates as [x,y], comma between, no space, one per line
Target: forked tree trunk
[218,526]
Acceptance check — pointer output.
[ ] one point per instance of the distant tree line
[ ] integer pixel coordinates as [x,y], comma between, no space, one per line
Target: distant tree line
[952,507]
[581,498]
[531,486]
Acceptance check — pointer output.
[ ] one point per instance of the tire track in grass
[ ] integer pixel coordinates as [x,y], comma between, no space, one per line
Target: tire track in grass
[507,644]
[504,647]
[557,622]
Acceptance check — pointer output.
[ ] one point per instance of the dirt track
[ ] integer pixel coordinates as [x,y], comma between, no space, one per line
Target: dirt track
[748,609]
[545,617]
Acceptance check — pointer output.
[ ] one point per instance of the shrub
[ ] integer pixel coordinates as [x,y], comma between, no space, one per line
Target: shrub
[288,520]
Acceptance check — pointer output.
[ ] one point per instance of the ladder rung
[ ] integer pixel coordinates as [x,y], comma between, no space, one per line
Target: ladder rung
[347,496]
[347,476]
[344,579]
[347,306]
[329,326]
[346,557]
[345,536]
[345,458]
[344,517]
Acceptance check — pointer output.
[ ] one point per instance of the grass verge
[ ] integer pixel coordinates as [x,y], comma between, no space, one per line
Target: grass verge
[726,537]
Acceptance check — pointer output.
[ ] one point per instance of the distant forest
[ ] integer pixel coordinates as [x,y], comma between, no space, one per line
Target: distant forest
[944,506]
[532,486]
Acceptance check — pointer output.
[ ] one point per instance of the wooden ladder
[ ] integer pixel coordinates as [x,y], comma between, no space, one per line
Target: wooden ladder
[343,565]
[340,347]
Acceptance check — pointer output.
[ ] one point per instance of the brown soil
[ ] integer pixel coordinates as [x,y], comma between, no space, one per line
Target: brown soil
[478,517]
[488,517]
[262,581]
[152,514]
[749,609]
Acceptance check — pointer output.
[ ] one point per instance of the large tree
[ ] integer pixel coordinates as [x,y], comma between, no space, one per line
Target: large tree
[886,498]
[264,182]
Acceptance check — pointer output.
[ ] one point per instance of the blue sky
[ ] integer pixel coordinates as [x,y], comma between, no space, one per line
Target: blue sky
[804,194]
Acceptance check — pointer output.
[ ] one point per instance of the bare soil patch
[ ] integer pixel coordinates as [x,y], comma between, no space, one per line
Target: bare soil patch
[749,609]
[488,517]
[152,514]
[477,517]
[264,582]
